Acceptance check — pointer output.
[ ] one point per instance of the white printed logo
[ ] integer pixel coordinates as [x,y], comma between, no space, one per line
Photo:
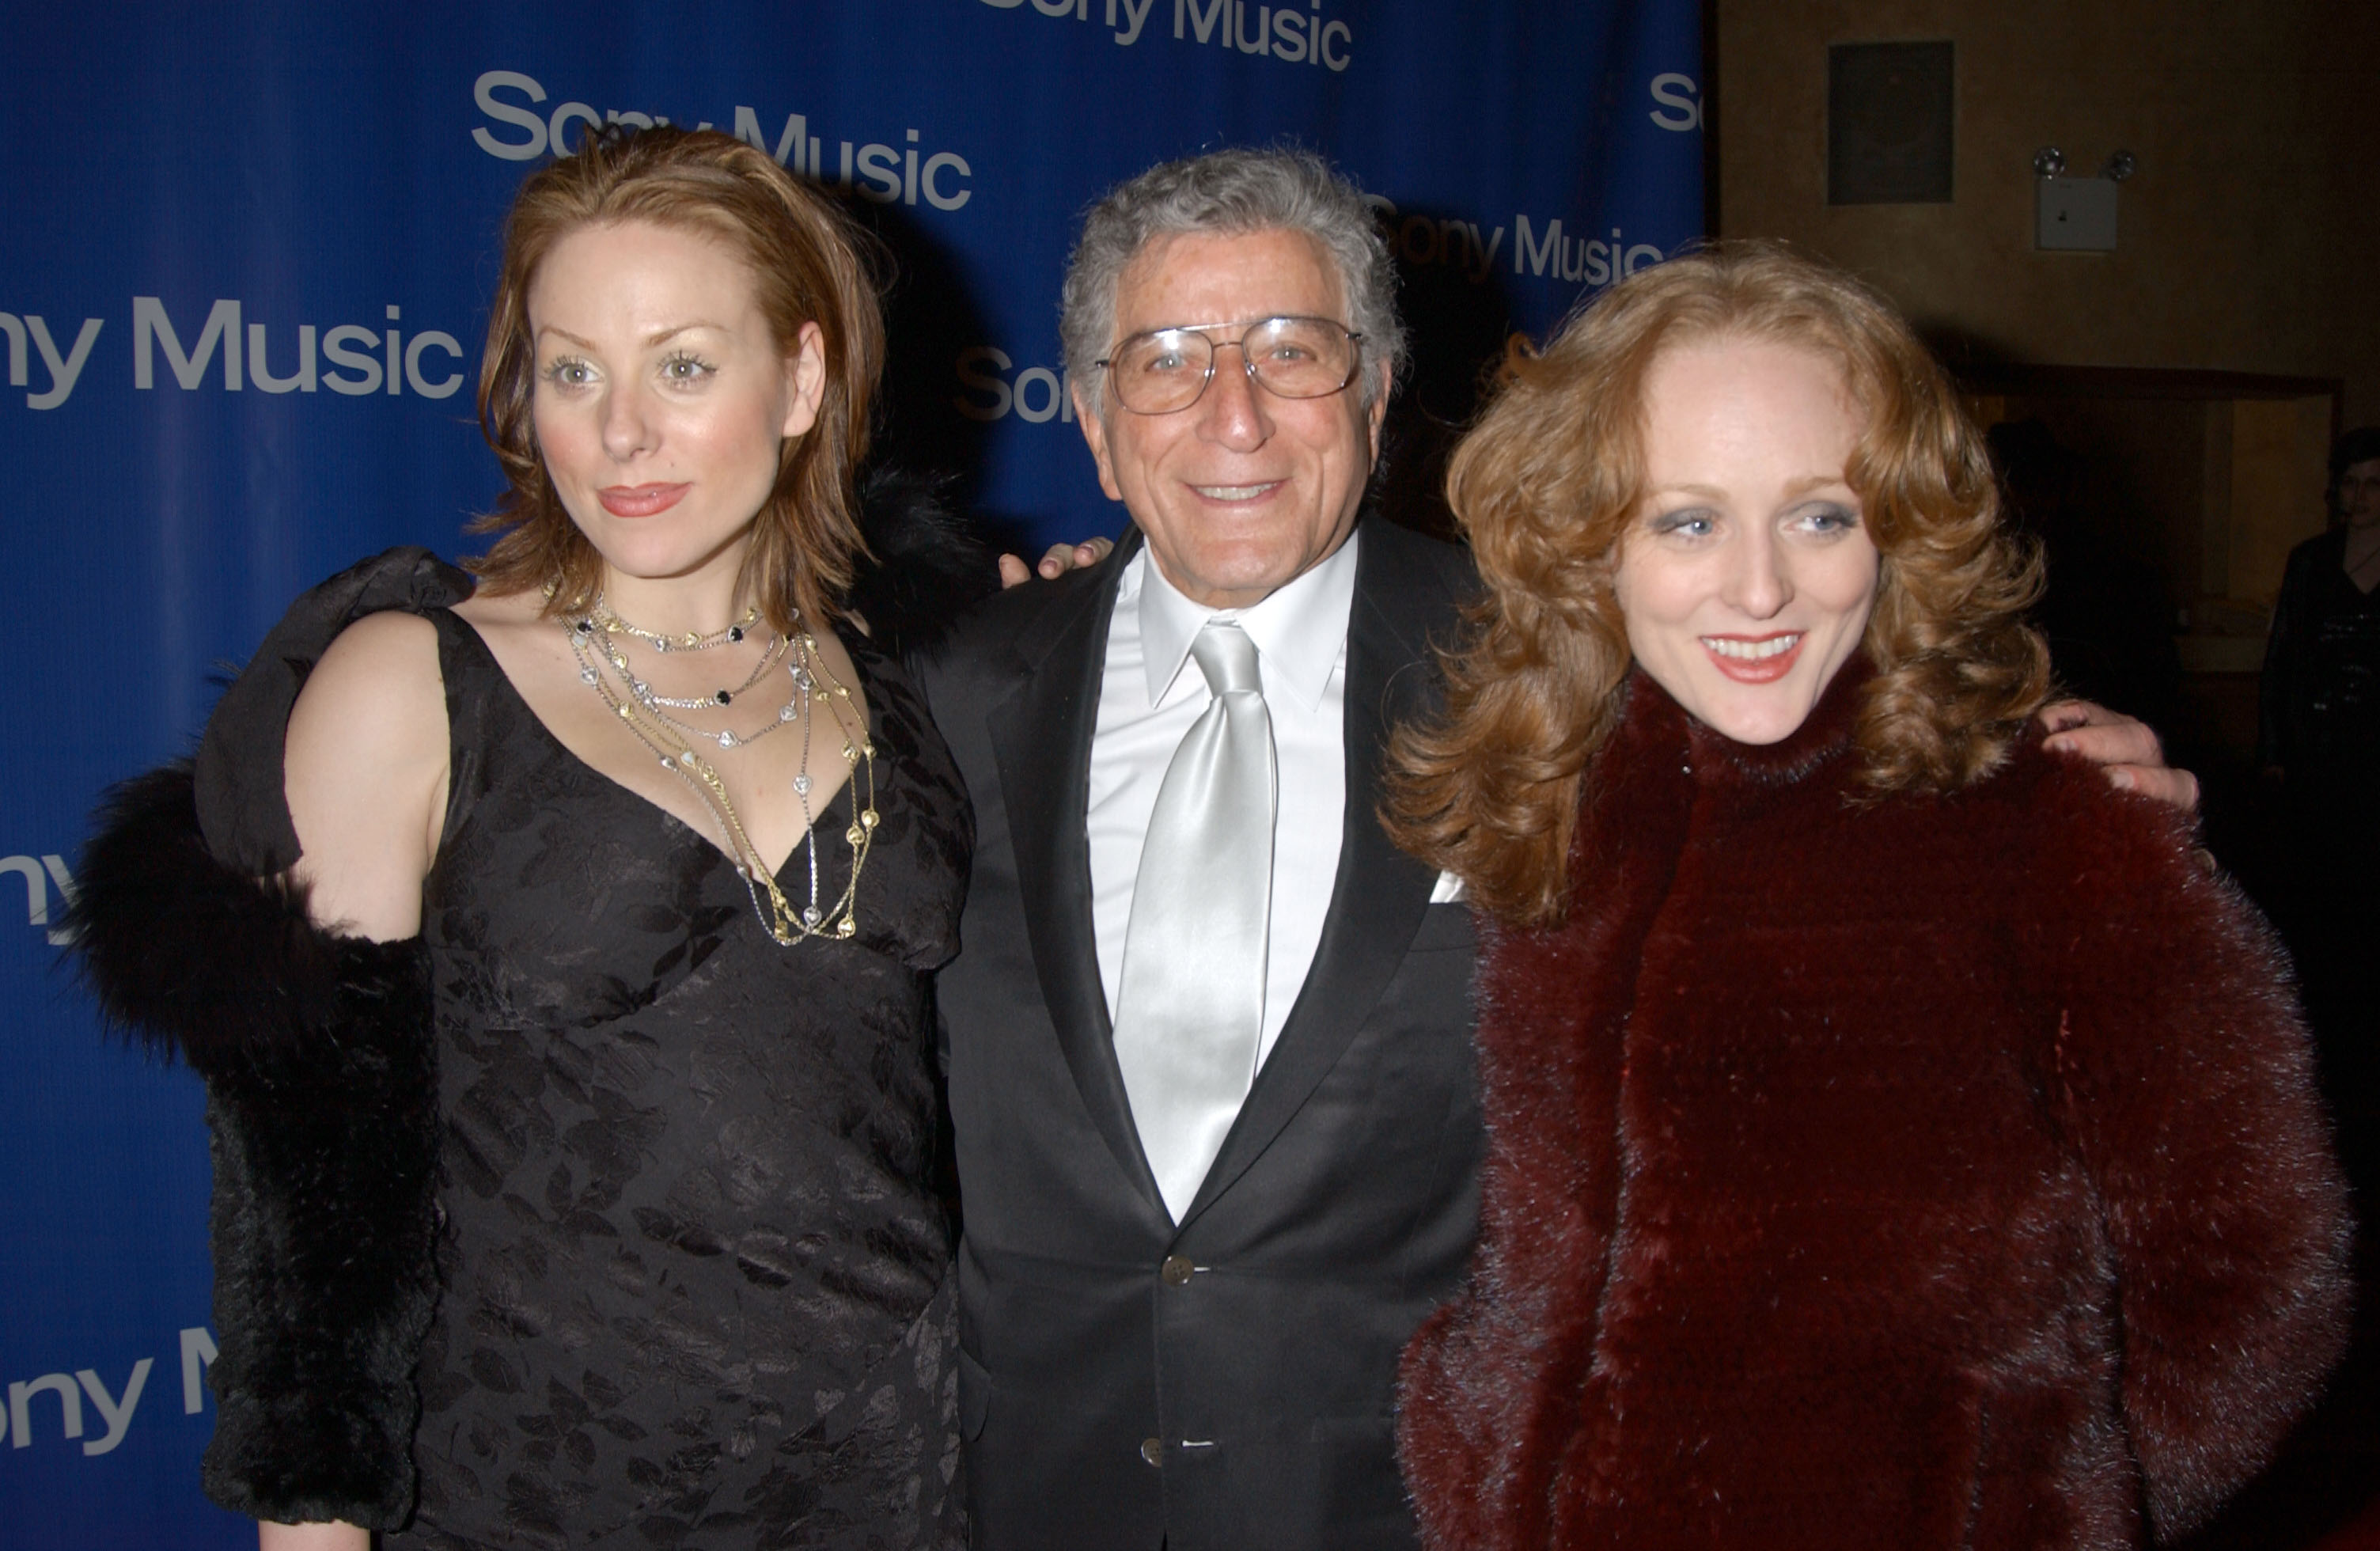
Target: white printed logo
[1282,32]
[1591,260]
[1037,394]
[62,370]
[1682,104]
[876,171]
[1420,239]
[369,360]
[20,1420]
[1537,251]
[39,873]
[349,358]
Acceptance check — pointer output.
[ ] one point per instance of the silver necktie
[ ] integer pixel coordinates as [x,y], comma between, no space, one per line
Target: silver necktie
[1190,1010]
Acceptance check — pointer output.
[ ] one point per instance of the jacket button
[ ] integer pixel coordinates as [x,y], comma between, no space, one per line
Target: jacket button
[1153,1451]
[1176,1270]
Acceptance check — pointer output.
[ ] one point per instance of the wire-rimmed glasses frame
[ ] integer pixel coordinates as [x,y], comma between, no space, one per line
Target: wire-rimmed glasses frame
[1162,370]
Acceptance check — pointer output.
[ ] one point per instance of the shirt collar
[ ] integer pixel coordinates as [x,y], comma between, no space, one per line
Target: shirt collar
[1300,630]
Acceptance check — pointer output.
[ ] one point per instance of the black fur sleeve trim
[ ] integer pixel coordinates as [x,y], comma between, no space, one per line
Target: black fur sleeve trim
[925,566]
[321,1105]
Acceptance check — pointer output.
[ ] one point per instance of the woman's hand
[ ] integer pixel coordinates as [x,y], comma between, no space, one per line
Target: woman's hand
[1061,558]
[2127,750]
[312,1537]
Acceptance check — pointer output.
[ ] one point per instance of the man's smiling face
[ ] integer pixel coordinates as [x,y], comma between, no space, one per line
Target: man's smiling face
[1242,491]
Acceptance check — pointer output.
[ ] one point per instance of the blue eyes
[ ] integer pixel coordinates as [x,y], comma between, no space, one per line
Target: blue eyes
[1826,519]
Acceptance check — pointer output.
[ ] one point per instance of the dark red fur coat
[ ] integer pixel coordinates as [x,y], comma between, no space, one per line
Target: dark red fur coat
[1936,1172]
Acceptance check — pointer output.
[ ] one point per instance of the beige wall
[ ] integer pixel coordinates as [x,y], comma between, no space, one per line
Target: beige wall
[2250,238]
[2278,454]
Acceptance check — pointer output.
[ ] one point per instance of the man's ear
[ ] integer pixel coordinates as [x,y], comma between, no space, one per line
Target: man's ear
[1095,435]
[1378,414]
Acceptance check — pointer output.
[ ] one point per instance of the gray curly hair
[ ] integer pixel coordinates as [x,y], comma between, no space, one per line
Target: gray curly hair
[1233,192]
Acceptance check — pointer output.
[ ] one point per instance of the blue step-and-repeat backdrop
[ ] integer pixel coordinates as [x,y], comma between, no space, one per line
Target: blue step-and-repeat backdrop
[244,272]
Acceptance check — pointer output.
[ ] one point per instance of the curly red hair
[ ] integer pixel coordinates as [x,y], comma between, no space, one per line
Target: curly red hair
[1547,480]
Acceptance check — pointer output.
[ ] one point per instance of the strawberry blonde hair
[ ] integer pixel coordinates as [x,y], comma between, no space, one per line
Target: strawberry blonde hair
[1549,480]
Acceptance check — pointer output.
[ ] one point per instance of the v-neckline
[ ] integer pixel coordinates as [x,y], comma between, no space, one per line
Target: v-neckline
[777,872]
[2351,568]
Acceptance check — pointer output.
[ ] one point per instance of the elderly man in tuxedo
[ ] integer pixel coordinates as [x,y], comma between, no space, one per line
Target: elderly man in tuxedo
[1208,1037]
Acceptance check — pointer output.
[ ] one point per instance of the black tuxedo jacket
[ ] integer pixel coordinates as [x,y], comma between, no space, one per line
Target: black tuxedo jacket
[1225,1384]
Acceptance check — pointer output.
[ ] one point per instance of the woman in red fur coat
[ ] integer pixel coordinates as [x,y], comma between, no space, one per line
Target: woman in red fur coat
[1899,1137]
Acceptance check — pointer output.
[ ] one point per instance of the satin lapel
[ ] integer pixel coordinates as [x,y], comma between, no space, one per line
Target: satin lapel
[1378,898]
[1041,737]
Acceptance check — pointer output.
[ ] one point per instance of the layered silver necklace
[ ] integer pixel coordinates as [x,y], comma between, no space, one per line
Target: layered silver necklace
[595,644]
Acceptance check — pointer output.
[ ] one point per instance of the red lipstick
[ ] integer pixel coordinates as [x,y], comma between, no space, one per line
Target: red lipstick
[640,501]
[1765,667]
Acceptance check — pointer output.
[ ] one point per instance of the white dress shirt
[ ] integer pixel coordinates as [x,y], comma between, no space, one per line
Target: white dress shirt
[1150,694]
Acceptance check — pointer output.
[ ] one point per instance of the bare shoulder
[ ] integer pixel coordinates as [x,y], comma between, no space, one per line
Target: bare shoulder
[372,687]
[364,768]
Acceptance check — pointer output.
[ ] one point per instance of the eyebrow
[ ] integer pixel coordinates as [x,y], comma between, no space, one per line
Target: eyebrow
[1234,323]
[662,337]
[1800,487]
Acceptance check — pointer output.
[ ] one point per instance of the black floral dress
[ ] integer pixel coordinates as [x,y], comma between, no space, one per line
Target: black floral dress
[694,1278]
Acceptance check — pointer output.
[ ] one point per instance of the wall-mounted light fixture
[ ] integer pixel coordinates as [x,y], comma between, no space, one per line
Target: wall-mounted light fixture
[2076,214]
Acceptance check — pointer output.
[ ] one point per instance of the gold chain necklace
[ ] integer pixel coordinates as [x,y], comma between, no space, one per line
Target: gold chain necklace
[669,739]
[660,706]
[689,641]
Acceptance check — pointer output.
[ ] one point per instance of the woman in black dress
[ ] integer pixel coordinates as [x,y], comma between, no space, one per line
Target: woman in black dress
[558,953]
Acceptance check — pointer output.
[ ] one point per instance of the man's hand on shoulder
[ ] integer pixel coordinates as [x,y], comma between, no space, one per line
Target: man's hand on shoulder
[1061,558]
[2125,748]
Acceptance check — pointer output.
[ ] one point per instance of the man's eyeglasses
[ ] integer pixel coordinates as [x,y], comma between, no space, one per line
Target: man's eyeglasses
[1165,369]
